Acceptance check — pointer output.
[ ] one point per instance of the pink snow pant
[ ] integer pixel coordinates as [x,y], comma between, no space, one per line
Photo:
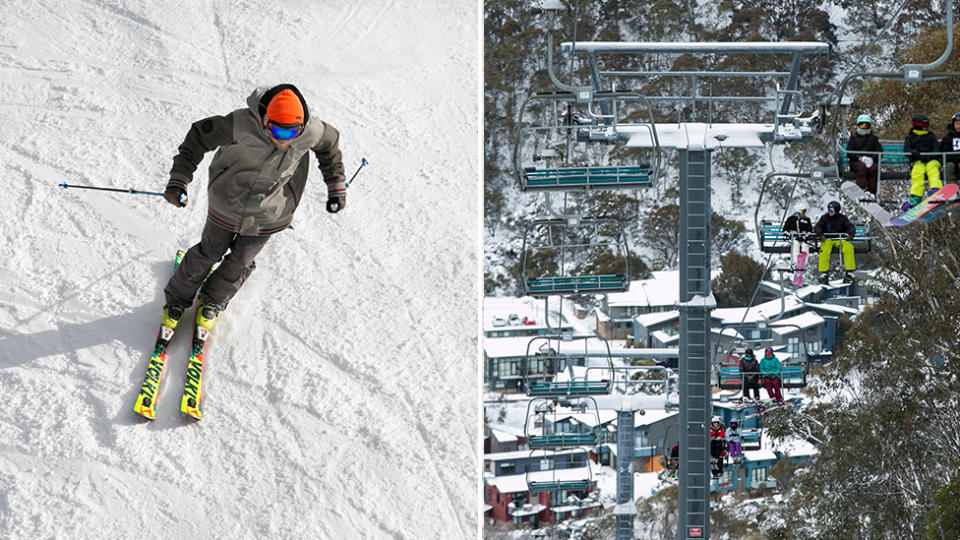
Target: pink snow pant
[772,384]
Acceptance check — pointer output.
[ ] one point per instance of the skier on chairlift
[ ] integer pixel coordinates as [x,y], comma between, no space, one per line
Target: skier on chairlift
[771,373]
[864,166]
[733,441]
[797,227]
[835,223]
[921,144]
[950,145]
[717,447]
[750,372]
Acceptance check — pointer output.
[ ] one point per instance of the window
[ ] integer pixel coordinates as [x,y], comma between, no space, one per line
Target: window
[545,464]
[506,468]
[793,345]
[813,347]
[758,477]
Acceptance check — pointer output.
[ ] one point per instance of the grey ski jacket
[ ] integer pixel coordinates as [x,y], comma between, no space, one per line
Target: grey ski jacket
[253,188]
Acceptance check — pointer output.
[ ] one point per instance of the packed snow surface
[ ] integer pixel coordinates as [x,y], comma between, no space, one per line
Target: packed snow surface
[341,384]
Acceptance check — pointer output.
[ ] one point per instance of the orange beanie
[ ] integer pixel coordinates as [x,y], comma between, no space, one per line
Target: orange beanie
[285,108]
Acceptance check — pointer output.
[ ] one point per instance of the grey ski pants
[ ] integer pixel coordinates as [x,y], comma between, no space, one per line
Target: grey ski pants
[227,279]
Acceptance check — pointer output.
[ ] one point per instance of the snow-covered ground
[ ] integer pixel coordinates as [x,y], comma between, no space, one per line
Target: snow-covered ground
[340,397]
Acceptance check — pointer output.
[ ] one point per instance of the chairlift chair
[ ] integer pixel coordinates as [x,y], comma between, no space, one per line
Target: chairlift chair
[542,152]
[537,411]
[596,379]
[551,245]
[559,479]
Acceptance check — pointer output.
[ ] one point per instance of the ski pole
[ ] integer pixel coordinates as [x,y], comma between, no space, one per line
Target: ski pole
[363,162]
[118,190]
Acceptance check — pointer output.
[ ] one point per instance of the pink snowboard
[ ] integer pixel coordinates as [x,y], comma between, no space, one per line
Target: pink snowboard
[799,269]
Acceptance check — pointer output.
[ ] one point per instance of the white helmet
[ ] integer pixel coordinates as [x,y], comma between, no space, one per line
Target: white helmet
[715,419]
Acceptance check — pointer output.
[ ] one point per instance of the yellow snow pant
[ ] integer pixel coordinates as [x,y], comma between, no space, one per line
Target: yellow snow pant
[846,248]
[932,171]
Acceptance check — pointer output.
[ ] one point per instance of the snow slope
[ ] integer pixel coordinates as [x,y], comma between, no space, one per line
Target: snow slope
[340,397]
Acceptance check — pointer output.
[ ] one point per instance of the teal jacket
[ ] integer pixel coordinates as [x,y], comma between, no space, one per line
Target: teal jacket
[770,367]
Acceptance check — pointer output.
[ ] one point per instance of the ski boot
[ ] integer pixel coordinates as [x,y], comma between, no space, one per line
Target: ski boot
[913,201]
[207,313]
[848,277]
[930,192]
[823,279]
[171,316]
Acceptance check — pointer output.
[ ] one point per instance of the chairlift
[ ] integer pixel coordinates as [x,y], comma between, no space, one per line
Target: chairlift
[554,154]
[893,164]
[729,377]
[774,240]
[575,478]
[542,410]
[551,247]
[538,367]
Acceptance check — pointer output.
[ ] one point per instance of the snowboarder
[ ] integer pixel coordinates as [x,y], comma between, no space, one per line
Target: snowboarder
[750,372]
[797,227]
[950,145]
[920,145]
[835,223]
[717,447]
[733,441]
[864,166]
[256,180]
[771,373]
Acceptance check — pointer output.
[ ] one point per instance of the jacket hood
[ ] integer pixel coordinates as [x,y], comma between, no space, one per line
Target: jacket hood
[261,96]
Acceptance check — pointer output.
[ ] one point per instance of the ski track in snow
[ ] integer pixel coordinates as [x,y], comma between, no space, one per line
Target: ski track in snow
[340,392]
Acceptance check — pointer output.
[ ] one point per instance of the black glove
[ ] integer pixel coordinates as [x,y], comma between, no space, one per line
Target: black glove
[915,155]
[337,203]
[175,196]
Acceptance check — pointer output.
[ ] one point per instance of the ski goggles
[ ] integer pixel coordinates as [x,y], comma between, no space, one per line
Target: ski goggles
[863,124]
[284,132]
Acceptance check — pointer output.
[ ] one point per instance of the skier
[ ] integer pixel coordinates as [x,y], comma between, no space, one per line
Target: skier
[771,373]
[733,441]
[750,372]
[864,165]
[950,145]
[717,444]
[917,143]
[256,181]
[833,222]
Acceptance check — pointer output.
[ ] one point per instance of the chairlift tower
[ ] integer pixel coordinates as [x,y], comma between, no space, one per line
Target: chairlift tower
[694,142]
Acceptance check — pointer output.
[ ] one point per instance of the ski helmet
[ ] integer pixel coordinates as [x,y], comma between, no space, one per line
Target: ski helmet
[864,118]
[768,350]
[834,205]
[921,121]
[733,423]
[748,352]
[956,116]
[715,420]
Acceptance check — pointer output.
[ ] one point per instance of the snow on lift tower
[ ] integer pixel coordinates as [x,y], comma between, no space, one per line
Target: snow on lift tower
[788,124]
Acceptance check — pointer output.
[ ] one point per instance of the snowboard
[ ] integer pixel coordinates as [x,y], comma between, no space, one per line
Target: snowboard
[856,195]
[941,210]
[941,196]
[800,269]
